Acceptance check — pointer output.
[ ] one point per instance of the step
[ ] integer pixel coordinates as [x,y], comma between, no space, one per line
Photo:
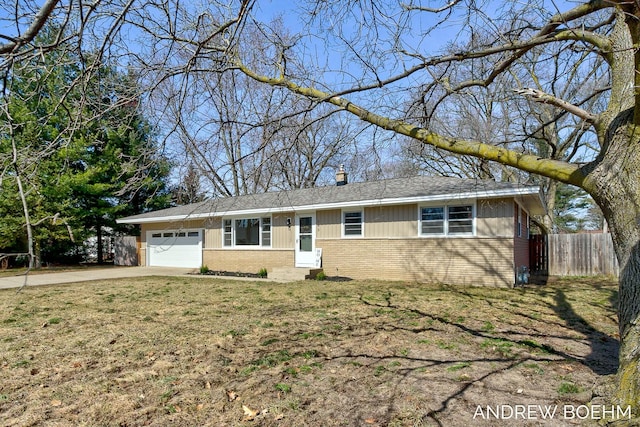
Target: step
[293,273]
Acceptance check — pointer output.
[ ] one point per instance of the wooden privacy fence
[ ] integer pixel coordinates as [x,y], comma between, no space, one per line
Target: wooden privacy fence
[581,255]
[126,250]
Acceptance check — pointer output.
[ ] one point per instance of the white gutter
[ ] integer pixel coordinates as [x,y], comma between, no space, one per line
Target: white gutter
[356,203]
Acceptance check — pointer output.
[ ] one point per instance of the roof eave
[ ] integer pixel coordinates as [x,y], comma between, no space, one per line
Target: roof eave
[533,203]
[518,192]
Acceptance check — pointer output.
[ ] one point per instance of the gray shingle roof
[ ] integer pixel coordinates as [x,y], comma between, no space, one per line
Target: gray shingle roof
[420,187]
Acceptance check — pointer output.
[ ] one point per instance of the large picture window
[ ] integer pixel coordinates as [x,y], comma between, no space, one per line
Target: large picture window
[446,220]
[246,232]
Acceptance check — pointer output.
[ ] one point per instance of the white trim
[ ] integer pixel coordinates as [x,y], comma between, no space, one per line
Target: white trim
[169,242]
[154,219]
[446,206]
[222,230]
[305,259]
[351,204]
[352,236]
[523,228]
[259,246]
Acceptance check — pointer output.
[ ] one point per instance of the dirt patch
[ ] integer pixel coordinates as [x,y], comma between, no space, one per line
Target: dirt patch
[192,351]
[231,274]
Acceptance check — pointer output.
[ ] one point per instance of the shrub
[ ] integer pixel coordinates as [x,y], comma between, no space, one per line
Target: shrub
[321,276]
[262,273]
[204,269]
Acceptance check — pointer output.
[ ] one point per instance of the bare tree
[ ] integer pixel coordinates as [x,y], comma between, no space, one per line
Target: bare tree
[381,58]
[493,116]
[52,61]
[366,58]
[245,137]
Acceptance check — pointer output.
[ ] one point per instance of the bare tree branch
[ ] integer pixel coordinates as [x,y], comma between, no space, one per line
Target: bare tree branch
[39,21]
[554,169]
[544,98]
[429,9]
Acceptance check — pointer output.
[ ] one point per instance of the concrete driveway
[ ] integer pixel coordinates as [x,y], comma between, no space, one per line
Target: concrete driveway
[90,274]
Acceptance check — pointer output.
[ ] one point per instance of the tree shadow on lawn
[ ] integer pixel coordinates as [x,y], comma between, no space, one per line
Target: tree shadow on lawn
[399,383]
[602,359]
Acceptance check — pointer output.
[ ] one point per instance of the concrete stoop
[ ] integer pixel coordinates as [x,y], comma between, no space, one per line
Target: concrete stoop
[293,273]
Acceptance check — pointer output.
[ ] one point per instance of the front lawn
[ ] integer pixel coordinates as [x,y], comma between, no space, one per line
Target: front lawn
[213,352]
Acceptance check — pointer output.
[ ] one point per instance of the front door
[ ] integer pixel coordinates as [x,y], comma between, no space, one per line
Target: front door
[305,240]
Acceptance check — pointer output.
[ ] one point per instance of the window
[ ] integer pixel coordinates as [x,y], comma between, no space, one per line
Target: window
[519,226]
[194,234]
[460,219]
[432,220]
[227,232]
[522,226]
[266,231]
[156,235]
[446,220]
[246,232]
[168,235]
[352,223]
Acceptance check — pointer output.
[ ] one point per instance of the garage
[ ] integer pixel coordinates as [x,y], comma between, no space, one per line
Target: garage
[174,248]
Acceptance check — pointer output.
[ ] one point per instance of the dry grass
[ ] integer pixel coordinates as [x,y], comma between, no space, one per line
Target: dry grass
[212,352]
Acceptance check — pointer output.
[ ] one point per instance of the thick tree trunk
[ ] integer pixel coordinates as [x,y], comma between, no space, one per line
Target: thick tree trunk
[626,240]
[629,370]
[614,182]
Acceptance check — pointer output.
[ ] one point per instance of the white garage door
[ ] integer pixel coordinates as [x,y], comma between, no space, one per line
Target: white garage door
[177,248]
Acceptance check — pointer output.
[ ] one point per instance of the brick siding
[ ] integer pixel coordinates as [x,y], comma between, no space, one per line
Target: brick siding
[470,261]
[248,260]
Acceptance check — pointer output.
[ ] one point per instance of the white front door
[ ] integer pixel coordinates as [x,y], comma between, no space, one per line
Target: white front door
[305,240]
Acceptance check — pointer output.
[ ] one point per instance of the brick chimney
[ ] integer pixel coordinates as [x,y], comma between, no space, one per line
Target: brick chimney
[341,177]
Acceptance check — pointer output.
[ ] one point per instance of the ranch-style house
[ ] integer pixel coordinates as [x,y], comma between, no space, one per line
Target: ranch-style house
[435,229]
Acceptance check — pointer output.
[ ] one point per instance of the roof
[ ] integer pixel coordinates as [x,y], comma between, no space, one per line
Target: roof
[418,189]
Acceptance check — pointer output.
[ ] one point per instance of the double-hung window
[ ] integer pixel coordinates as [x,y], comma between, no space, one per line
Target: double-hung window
[227,231]
[432,220]
[352,223]
[460,219]
[266,232]
[455,220]
[246,232]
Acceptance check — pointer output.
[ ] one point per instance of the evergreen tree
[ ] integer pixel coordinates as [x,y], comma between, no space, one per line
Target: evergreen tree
[574,210]
[85,152]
